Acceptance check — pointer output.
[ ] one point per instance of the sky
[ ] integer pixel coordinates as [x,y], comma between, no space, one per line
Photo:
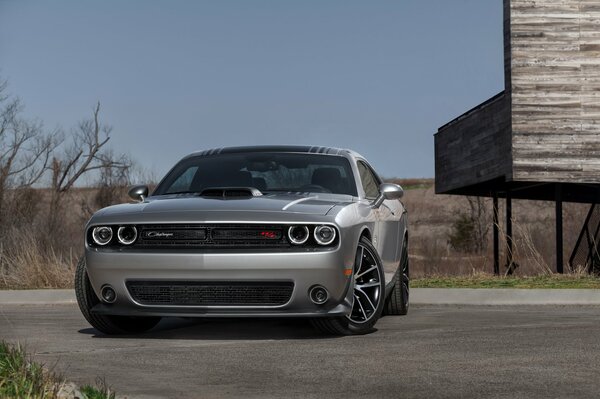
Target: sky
[173,77]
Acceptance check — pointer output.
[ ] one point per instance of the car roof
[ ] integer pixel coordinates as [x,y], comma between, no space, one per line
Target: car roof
[277,148]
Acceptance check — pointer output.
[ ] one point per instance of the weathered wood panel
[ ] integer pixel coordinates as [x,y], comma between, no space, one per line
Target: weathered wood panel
[546,128]
[554,85]
[474,148]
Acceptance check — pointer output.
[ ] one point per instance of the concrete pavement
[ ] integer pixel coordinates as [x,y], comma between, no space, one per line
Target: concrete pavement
[434,352]
[37,297]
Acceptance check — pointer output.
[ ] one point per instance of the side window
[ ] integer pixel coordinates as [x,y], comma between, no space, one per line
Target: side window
[369,182]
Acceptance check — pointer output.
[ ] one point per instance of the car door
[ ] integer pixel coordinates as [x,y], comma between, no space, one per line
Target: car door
[386,232]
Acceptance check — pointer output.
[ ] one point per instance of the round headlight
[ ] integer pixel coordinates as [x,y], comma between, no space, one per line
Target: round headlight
[127,235]
[102,235]
[324,235]
[298,235]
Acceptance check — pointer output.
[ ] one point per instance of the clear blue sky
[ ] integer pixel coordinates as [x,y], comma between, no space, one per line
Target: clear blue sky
[176,76]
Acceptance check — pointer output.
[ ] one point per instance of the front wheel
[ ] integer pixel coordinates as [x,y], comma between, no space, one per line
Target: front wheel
[87,299]
[369,291]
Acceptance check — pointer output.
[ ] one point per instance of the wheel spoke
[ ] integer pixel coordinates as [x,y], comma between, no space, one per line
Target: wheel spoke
[367,285]
[366,271]
[361,307]
[355,307]
[368,299]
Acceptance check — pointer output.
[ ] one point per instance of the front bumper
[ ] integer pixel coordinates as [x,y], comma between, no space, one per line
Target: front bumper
[304,269]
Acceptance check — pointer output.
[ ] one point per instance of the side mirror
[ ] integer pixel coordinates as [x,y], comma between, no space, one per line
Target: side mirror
[138,193]
[388,191]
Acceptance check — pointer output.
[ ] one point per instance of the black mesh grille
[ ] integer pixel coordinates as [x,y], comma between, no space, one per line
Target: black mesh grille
[247,234]
[173,234]
[212,236]
[185,293]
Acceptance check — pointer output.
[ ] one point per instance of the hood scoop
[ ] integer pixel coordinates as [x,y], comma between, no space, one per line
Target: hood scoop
[230,192]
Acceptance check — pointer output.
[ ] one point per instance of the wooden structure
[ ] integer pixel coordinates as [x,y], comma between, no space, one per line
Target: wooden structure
[539,138]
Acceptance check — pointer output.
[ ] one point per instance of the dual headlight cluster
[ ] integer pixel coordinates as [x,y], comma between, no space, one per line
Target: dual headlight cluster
[298,234]
[323,234]
[103,235]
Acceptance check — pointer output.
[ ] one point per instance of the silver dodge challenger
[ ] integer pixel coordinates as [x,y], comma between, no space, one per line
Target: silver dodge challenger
[272,231]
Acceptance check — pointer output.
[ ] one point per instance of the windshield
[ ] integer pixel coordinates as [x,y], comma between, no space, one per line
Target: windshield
[265,171]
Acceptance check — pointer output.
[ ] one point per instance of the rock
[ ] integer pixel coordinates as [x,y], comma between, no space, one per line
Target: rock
[69,390]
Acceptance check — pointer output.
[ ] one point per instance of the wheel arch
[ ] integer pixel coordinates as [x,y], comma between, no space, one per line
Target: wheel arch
[365,232]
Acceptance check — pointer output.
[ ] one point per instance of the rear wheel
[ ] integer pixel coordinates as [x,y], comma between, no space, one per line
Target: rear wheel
[87,299]
[369,289]
[398,300]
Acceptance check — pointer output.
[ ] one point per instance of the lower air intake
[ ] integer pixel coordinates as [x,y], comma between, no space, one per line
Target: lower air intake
[187,293]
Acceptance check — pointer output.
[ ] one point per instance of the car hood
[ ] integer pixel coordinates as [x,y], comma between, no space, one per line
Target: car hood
[308,204]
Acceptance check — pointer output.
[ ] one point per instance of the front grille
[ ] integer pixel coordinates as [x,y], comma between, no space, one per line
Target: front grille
[247,234]
[173,234]
[185,293]
[207,236]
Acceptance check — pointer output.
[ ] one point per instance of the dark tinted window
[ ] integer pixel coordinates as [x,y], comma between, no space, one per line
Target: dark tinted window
[369,181]
[265,171]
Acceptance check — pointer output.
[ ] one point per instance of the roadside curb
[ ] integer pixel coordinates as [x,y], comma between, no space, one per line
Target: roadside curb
[419,296]
[504,296]
[37,297]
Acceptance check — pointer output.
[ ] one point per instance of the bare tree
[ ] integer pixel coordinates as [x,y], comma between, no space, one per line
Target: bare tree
[86,152]
[470,230]
[30,157]
[481,226]
[25,148]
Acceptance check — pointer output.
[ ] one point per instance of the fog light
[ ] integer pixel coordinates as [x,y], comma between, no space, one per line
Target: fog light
[318,295]
[108,294]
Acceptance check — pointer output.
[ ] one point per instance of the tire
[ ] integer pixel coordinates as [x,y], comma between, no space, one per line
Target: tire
[398,300]
[369,292]
[87,299]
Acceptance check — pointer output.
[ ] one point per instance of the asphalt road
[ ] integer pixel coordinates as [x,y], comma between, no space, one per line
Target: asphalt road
[435,352]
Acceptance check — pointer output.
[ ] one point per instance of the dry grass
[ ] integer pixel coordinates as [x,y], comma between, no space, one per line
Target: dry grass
[33,257]
[486,280]
[527,249]
[412,184]
[430,223]
[32,266]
